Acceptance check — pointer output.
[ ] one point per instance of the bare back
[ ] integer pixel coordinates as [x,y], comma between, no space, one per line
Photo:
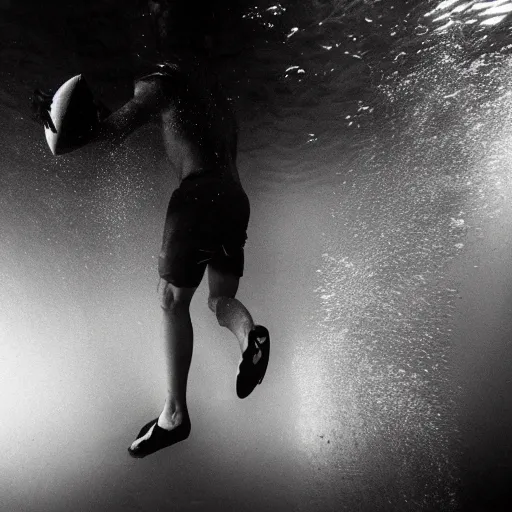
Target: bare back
[198,125]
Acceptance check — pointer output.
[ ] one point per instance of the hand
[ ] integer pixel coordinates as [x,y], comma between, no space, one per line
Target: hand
[40,104]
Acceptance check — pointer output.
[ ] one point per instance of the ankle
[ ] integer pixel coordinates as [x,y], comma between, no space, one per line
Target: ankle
[174,410]
[172,420]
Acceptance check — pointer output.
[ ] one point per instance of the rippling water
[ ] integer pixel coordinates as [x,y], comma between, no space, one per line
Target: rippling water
[375,149]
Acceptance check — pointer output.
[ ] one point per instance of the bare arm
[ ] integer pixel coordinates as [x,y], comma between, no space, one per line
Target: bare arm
[148,100]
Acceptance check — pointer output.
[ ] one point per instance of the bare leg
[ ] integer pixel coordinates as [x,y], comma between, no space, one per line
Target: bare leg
[230,312]
[173,424]
[253,339]
[178,339]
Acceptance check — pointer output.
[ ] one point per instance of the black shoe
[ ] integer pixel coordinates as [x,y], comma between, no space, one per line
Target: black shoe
[159,438]
[254,362]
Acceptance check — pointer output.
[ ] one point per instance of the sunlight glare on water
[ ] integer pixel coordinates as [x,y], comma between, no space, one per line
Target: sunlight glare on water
[460,12]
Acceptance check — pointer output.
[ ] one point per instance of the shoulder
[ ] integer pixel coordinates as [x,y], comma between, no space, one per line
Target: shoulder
[149,87]
[157,81]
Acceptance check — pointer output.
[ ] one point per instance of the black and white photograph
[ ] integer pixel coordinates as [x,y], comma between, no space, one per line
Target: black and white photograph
[256,256]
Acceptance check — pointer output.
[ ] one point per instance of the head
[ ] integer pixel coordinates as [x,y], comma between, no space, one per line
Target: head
[182,26]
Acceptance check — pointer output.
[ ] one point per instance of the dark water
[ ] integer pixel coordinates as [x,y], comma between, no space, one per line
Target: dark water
[375,150]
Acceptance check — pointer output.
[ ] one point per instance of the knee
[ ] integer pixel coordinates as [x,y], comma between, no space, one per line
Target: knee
[169,300]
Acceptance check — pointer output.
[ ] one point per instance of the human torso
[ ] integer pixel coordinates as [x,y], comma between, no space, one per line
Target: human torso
[199,129]
[192,154]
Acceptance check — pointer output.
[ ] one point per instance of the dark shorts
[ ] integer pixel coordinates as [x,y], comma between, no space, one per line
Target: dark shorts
[206,224]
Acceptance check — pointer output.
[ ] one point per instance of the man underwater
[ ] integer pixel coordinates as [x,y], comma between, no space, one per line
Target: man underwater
[205,225]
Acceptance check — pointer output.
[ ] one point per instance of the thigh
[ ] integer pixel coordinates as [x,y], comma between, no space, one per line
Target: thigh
[229,257]
[182,260]
[222,284]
